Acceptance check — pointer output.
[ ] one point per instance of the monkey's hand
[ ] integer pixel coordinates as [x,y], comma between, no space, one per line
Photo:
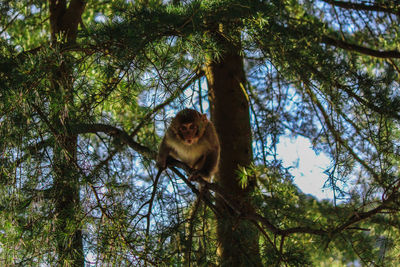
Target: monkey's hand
[199,176]
[161,163]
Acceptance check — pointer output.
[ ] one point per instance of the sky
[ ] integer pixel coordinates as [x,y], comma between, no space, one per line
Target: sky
[308,167]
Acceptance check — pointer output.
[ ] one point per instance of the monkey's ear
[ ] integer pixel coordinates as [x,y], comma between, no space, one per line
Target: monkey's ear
[202,124]
[174,126]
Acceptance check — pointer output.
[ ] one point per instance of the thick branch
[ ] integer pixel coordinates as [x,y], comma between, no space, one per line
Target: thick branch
[65,20]
[113,131]
[359,216]
[361,6]
[72,18]
[284,232]
[361,49]
[57,9]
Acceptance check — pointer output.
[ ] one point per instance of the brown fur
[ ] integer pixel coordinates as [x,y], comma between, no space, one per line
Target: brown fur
[192,139]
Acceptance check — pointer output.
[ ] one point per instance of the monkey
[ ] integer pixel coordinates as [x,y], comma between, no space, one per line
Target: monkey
[192,139]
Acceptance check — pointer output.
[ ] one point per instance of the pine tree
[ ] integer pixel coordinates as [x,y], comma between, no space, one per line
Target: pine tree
[88,87]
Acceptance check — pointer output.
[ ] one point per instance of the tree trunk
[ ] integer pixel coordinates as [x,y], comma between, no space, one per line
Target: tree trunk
[238,240]
[67,203]
[69,245]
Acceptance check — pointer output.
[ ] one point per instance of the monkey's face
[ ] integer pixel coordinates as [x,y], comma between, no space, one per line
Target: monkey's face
[189,133]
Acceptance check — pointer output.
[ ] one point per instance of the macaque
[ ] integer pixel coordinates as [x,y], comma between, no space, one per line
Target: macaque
[192,139]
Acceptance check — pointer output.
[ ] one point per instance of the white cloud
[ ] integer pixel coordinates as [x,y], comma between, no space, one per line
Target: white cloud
[308,167]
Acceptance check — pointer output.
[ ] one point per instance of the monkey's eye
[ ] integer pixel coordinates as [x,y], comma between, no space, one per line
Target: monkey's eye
[192,127]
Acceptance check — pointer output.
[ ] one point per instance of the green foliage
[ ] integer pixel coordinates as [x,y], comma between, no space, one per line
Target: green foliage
[133,65]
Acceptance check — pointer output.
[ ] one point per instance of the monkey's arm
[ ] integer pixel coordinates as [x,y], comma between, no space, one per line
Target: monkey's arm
[209,166]
[210,163]
[163,153]
[210,160]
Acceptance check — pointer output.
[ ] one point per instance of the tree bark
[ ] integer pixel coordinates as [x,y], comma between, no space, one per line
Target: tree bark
[238,240]
[67,202]
[69,245]
[388,8]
